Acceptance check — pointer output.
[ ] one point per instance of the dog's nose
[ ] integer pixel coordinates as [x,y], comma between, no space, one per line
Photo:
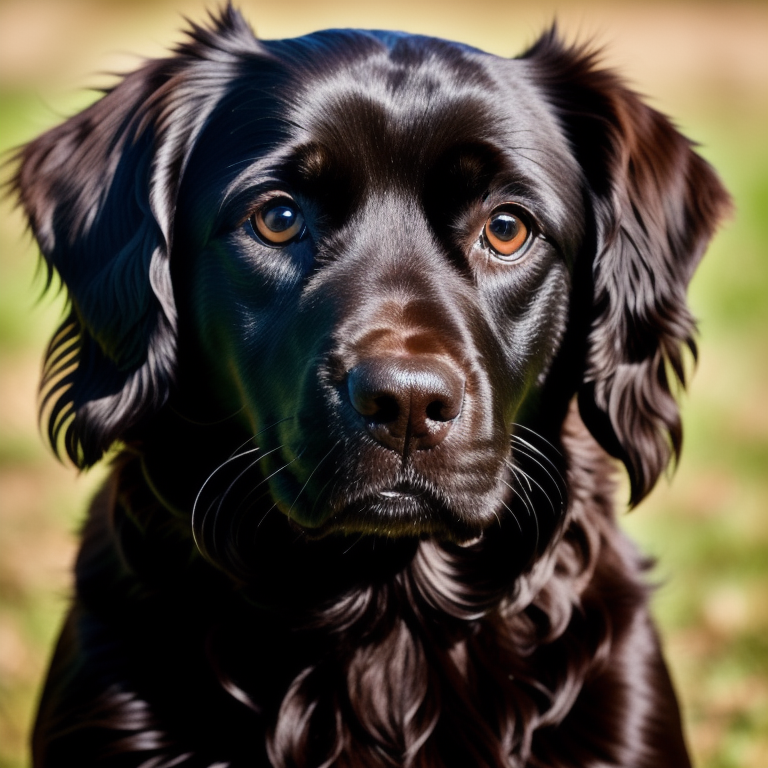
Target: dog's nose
[409,402]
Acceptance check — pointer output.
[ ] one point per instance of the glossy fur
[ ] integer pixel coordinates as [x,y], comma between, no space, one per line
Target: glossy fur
[284,568]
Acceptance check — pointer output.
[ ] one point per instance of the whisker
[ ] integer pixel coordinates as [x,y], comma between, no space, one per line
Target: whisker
[219,499]
[511,465]
[261,432]
[529,506]
[262,481]
[240,507]
[217,470]
[546,471]
[280,469]
[524,498]
[539,437]
[354,543]
[535,450]
[264,516]
[238,453]
[317,466]
[514,516]
[331,479]
[533,480]
[246,470]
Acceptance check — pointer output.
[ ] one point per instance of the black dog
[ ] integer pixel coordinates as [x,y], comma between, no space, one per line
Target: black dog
[335,298]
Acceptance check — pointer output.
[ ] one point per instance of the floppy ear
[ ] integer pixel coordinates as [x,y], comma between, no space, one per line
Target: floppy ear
[99,192]
[656,204]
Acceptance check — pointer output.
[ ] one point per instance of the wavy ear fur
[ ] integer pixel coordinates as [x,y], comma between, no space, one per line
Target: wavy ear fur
[99,192]
[656,204]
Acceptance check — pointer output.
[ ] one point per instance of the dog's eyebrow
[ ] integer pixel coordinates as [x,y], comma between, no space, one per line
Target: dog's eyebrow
[311,161]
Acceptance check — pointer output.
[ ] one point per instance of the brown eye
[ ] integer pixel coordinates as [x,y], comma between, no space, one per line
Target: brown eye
[507,233]
[278,222]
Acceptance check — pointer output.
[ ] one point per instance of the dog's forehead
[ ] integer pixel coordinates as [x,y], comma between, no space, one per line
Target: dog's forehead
[377,112]
[410,100]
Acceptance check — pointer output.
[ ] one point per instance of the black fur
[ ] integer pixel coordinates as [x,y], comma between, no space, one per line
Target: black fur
[356,518]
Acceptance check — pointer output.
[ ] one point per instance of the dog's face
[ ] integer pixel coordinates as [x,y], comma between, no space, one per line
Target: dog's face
[387,258]
[388,278]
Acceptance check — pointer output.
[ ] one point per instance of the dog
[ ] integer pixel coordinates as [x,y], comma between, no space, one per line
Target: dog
[366,321]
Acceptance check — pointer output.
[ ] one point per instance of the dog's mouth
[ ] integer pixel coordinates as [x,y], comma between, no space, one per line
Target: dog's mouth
[407,508]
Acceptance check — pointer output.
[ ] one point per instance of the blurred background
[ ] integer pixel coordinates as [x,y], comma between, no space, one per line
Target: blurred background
[703,63]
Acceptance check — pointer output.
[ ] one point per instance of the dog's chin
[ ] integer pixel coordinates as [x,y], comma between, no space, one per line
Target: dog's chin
[399,514]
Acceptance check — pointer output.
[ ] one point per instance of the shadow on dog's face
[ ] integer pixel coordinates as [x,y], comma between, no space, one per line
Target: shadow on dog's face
[375,256]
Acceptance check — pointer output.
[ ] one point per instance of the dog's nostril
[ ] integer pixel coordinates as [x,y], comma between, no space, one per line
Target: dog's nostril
[387,409]
[438,410]
[368,399]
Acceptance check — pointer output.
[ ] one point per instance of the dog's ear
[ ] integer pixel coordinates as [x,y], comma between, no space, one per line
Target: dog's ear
[99,192]
[656,204]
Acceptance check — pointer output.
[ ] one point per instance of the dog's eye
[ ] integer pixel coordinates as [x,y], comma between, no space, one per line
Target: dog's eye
[278,222]
[507,233]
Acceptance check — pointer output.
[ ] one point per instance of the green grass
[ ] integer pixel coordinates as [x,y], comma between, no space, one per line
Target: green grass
[709,528]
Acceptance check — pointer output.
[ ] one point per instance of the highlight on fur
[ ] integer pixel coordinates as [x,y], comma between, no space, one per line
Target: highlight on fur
[361,510]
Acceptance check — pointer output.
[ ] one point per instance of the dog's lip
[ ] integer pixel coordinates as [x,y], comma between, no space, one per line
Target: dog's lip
[400,491]
[400,509]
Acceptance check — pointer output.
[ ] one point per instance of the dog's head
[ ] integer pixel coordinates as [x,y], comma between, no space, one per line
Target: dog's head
[391,259]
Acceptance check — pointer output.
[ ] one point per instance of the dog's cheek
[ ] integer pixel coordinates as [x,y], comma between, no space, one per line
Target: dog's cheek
[241,298]
[529,313]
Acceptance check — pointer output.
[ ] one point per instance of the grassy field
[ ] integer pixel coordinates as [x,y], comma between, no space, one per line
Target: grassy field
[706,64]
